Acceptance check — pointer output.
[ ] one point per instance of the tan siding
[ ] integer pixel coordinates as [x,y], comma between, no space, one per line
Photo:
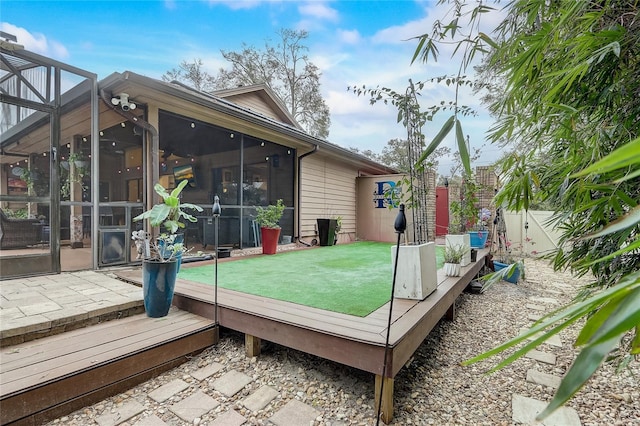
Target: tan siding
[254,103]
[328,191]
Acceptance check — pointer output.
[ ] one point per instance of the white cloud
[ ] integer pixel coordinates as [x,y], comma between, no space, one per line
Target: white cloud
[36,42]
[349,36]
[318,10]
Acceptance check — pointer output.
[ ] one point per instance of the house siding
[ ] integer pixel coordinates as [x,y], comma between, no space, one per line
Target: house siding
[328,190]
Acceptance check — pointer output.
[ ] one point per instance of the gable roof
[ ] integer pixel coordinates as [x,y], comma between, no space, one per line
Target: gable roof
[261,98]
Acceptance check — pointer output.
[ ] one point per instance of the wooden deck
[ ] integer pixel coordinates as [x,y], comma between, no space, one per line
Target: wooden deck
[46,378]
[350,340]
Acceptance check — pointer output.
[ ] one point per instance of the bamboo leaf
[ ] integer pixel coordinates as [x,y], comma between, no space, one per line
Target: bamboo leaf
[624,317]
[462,148]
[585,364]
[487,40]
[624,156]
[579,309]
[635,343]
[444,131]
[627,221]
[632,246]
[594,324]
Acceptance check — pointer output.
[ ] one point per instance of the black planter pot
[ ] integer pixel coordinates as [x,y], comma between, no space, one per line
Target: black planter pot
[474,255]
[327,231]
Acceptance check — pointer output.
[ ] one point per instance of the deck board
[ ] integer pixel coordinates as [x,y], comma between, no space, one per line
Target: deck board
[44,378]
[89,351]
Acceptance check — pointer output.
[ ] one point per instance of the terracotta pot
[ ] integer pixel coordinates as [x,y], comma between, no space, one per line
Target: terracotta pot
[270,238]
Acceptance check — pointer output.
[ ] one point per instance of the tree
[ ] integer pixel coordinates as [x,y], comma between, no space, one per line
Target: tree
[572,73]
[286,69]
[193,74]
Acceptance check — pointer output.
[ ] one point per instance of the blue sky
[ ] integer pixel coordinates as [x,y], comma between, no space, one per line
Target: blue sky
[352,42]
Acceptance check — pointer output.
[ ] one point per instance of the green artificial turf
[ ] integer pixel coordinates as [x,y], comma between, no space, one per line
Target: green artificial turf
[354,279]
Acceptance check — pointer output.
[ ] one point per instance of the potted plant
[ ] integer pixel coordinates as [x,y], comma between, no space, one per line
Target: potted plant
[327,231]
[464,214]
[453,255]
[160,263]
[507,267]
[268,218]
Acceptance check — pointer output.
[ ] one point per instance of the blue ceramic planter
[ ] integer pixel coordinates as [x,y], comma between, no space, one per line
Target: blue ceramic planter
[158,284]
[513,277]
[478,238]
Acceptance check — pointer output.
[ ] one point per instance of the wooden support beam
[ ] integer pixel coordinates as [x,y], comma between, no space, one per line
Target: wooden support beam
[251,345]
[386,413]
[451,312]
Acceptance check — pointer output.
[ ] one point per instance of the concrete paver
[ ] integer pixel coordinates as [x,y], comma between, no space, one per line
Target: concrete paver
[547,300]
[166,391]
[295,413]
[229,418]
[540,378]
[231,383]
[553,340]
[151,420]
[45,300]
[526,409]
[545,357]
[207,371]
[124,413]
[536,307]
[260,398]
[194,406]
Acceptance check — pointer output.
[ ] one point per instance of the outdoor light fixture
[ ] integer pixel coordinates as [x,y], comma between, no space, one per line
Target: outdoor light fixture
[122,99]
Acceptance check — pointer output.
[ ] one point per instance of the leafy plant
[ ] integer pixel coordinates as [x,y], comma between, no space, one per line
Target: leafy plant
[75,170]
[268,217]
[453,253]
[168,214]
[464,213]
[568,101]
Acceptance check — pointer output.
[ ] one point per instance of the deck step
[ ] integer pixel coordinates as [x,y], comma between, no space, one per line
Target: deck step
[47,378]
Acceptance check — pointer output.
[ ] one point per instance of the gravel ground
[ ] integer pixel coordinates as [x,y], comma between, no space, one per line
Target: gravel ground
[432,389]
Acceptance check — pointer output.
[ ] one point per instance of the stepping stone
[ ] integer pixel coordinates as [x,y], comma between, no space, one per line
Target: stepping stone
[536,307]
[209,370]
[553,340]
[152,420]
[295,413]
[230,418]
[194,406]
[548,300]
[534,317]
[540,378]
[125,412]
[545,357]
[231,383]
[260,398]
[526,409]
[166,391]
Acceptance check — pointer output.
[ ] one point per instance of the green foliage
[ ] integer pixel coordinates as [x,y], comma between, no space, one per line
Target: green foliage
[171,210]
[454,253]
[464,213]
[268,217]
[571,73]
